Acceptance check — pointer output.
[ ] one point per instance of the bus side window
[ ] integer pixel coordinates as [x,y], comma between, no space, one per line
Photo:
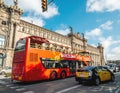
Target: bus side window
[32,45]
[49,65]
[57,65]
[39,46]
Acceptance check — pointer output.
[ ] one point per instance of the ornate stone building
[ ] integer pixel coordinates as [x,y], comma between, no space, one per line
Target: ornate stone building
[12,28]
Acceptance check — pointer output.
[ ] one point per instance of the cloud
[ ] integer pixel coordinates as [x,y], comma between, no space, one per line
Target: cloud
[106,42]
[93,33]
[103,5]
[63,32]
[116,50]
[107,25]
[32,9]
[111,47]
[63,29]
[34,20]
[97,32]
[110,44]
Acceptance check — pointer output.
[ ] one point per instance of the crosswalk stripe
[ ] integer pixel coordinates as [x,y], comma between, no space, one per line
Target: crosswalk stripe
[14,87]
[29,92]
[20,89]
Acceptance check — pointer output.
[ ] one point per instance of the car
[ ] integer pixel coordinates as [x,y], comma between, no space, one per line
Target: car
[5,70]
[118,67]
[94,75]
[113,67]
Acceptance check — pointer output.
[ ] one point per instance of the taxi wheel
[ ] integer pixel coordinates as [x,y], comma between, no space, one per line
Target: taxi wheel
[112,78]
[97,81]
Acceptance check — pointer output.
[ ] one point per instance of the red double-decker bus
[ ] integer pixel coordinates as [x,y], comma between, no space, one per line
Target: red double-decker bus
[32,63]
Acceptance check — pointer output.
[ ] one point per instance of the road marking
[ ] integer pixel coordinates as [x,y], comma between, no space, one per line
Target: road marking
[3,82]
[20,89]
[8,85]
[67,89]
[101,88]
[117,91]
[90,87]
[110,90]
[28,92]
[14,87]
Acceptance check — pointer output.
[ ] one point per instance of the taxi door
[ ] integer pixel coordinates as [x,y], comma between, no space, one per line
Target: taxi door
[101,75]
[107,74]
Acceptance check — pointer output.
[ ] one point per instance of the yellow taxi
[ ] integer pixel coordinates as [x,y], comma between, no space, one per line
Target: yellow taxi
[94,74]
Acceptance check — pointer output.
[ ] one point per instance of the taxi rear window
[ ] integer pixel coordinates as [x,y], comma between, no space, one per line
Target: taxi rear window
[88,68]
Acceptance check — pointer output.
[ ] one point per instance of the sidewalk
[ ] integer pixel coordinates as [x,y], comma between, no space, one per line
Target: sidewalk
[3,77]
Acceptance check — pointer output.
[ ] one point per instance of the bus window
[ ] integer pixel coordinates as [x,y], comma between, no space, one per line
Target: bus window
[20,45]
[35,45]
[58,65]
[65,63]
[72,65]
[48,63]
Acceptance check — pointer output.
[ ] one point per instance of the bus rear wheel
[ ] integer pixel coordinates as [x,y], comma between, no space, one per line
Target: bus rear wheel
[53,76]
[63,74]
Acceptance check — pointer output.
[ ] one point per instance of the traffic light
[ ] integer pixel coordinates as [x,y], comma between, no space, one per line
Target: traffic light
[44,5]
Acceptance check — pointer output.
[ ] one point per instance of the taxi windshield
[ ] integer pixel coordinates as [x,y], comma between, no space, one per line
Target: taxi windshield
[88,68]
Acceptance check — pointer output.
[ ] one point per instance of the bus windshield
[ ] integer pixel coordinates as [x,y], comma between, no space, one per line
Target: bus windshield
[20,45]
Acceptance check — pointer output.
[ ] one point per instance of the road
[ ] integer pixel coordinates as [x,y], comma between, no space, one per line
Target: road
[68,85]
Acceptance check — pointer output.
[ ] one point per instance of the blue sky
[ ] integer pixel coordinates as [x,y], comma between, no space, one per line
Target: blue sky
[99,20]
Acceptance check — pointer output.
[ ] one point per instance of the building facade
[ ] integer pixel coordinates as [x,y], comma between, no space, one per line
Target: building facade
[12,28]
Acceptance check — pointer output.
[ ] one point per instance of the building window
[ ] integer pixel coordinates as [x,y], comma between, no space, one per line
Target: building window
[2,41]
[41,34]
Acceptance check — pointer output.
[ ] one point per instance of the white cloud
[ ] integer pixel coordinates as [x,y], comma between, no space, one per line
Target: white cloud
[116,50]
[106,42]
[63,29]
[103,5]
[110,44]
[111,47]
[63,32]
[35,20]
[97,32]
[34,10]
[94,32]
[107,25]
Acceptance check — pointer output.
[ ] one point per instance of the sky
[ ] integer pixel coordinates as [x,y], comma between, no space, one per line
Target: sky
[99,20]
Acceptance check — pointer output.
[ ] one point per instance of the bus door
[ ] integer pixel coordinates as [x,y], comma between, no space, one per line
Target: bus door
[72,66]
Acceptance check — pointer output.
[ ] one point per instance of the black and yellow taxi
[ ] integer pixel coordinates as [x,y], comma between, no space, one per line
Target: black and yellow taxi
[94,74]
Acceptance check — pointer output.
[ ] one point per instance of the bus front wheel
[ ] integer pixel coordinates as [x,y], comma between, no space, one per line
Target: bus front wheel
[53,75]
